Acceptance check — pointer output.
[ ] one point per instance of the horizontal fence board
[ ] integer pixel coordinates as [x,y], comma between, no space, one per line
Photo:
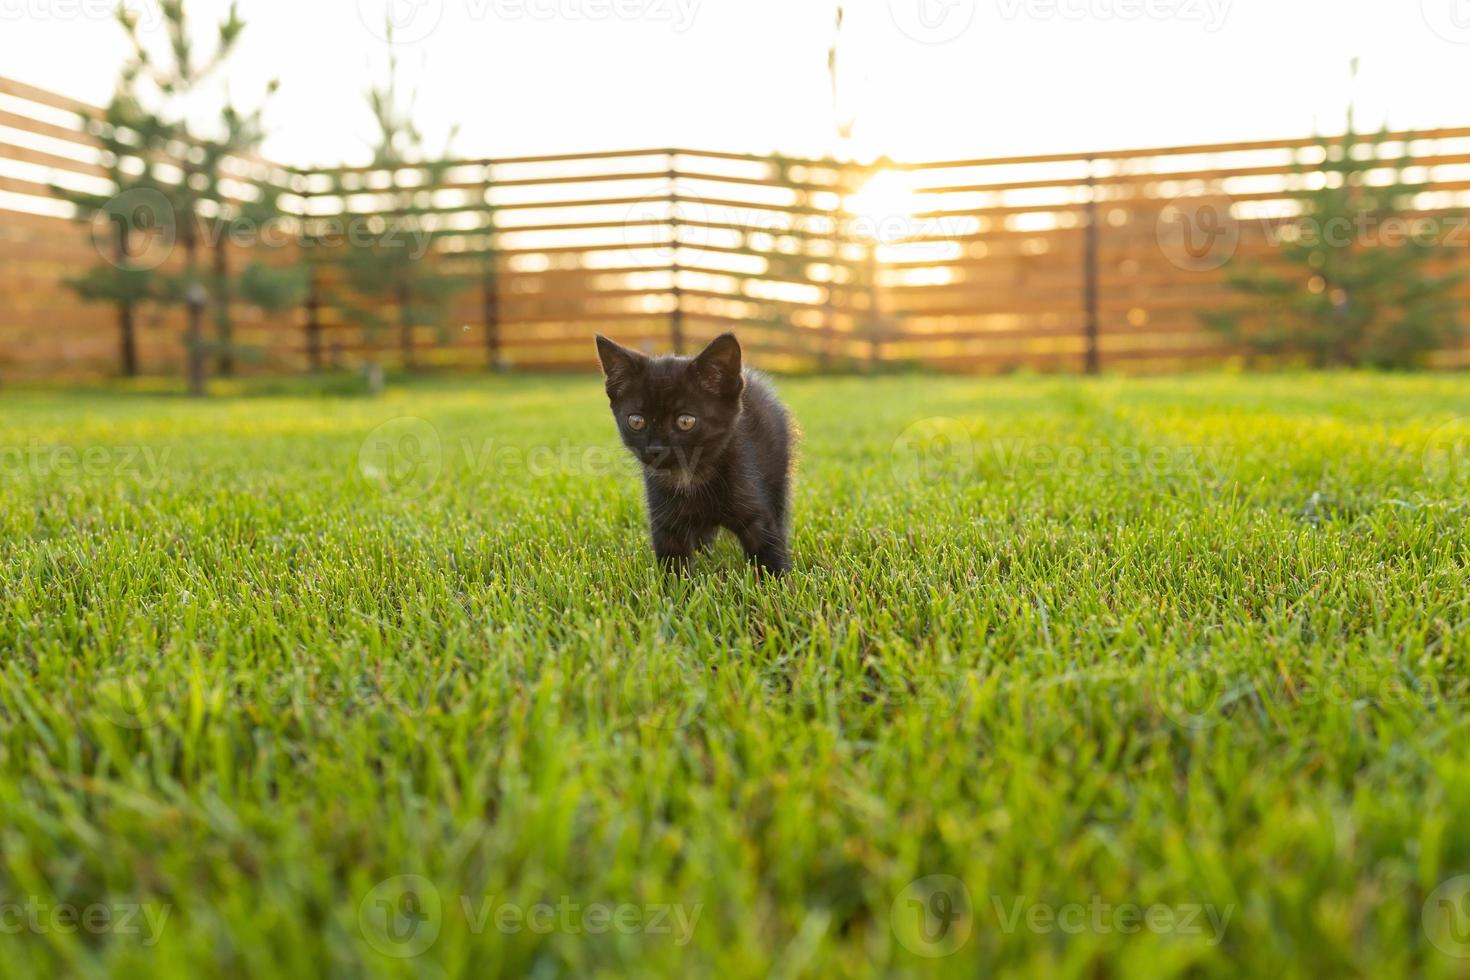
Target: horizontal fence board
[40,158]
[38,127]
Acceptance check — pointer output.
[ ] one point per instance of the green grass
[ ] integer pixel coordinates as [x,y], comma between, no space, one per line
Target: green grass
[1196,645]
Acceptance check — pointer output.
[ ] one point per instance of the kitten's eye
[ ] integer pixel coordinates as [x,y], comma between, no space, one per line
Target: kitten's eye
[637,423]
[687,422]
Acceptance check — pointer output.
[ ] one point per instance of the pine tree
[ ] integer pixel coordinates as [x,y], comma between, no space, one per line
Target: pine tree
[176,80]
[272,288]
[167,181]
[1353,281]
[392,271]
[124,220]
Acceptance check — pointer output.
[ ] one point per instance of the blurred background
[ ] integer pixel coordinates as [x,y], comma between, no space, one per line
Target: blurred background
[197,190]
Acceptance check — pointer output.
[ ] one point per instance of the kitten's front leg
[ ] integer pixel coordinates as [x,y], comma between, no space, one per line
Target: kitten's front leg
[765,544]
[673,538]
[674,549]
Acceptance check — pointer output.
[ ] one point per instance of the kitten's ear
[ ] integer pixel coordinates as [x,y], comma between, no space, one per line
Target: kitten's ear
[717,368]
[619,364]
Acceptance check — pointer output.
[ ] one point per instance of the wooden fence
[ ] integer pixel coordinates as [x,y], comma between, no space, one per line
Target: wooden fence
[46,331]
[1062,262]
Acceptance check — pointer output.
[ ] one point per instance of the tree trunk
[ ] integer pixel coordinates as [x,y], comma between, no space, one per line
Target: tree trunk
[127,336]
[126,321]
[490,285]
[224,327]
[314,320]
[405,323]
[195,299]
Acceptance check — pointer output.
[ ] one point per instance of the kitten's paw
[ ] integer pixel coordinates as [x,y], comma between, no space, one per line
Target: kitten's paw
[774,564]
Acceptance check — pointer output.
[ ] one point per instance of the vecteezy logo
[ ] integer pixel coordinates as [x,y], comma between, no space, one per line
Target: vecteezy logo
[401,917]
[933,451]
[1450,19]
[659,696]
[1199,234]
[1447,455]
[404,456]
[1189,691]
[1446,917]
[932,21]
[128,699]
[401,21]
[135,230]
[933,916]
[656,228]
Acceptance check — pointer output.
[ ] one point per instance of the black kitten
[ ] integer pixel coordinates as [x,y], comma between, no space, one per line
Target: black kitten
[715,445]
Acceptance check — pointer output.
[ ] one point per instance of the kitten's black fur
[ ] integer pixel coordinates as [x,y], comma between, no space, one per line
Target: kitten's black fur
[732,469]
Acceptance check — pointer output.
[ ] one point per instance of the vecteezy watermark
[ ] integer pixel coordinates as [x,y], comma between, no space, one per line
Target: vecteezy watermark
[139,230]
[1372,231]
[1097,916]
[412,21]
[934,450]
[658,696]
[129,699]
[147,15]
[1099,459]
[144,465]
[403,456]
[1210,14]
[574,918]
[655,228]
[1202,233]
[1197,692]
[403,917]
[1189,691]
[1198,234]
[334,232]
[678,14]
[933,21]
[136,229]
[1446,917]
[138,697]
[1450,19]
[933,916]
[942,450]
[406,456]
[1447,455]
[36,917]
[917,236]
[401,21]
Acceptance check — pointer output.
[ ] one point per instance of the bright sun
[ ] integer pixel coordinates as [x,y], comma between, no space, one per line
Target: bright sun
[886,205]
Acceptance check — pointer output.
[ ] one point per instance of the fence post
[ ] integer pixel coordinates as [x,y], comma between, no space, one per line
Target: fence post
[875,313]
[313,283]
[196,296]
[834,246]
[829,305]
[1093,363]
[676,315]
[490,284]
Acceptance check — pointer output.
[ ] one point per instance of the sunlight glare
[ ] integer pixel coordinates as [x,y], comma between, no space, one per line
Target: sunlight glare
[884,208]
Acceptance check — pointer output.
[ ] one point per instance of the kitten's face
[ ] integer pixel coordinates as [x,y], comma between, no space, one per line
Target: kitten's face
[675,414]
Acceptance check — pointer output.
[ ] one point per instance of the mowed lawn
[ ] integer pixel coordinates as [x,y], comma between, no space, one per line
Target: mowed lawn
[1117,678]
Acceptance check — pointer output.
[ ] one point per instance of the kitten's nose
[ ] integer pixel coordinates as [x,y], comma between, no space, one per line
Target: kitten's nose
[656,454]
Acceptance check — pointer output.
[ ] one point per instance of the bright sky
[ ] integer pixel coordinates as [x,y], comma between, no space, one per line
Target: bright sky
[926,79]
